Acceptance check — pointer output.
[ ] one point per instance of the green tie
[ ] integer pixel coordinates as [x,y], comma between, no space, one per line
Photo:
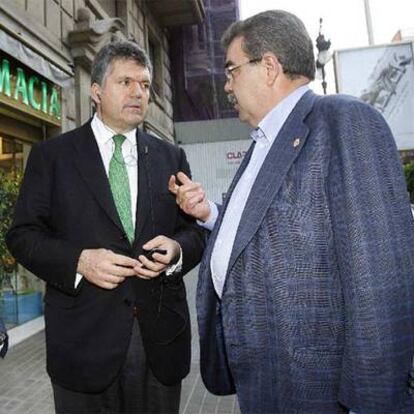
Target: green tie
[118,179]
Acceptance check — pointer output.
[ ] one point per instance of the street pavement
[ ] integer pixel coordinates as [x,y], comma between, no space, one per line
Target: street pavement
[25,387]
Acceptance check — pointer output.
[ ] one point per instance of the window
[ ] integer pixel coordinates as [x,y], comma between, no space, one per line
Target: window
[109,6]
[20,291]
[155,54]
[11,154]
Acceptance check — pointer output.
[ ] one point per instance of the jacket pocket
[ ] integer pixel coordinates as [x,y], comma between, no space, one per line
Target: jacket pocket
[319,358]
[166,317]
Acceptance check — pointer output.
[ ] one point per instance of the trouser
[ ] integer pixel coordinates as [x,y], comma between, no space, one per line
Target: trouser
[135,391]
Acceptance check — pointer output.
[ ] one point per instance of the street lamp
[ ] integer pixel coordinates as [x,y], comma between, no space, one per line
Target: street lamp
[324,56]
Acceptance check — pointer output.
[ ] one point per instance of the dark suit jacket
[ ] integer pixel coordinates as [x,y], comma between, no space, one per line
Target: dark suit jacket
[317,312]
[65,206]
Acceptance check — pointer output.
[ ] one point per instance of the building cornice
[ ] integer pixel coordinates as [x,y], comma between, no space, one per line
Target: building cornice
[33,35]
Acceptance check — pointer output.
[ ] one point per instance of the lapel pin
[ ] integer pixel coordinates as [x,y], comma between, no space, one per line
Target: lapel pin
[296,142]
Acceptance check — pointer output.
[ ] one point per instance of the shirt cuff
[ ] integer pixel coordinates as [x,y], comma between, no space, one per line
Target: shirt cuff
[78,279]
[176,267]
[209,224]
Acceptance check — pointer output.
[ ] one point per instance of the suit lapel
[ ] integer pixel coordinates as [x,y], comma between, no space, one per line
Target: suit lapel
[145,178]
[282,154]
[89,163]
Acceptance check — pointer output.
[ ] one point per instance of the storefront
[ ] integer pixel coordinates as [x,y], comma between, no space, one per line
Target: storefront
[30,111]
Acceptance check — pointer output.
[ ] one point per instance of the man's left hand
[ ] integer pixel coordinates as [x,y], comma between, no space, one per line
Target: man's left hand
[148,269]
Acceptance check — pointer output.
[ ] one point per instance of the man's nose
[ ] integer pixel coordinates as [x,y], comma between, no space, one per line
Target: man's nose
[136,89]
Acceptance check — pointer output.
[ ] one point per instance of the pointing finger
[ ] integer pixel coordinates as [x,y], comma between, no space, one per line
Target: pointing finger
[172,185]
[183,178]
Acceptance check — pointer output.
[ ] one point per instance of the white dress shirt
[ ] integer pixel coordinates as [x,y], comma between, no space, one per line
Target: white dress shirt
[103,135]
[264,135]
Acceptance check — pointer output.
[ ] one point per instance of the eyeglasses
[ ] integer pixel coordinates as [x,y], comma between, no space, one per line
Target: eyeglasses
[228,71]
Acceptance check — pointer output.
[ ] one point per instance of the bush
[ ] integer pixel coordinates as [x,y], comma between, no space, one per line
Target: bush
[9,190]
[409,177]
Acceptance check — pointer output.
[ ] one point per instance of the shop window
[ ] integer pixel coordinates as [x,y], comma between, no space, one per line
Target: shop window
[11,154]
[20,291]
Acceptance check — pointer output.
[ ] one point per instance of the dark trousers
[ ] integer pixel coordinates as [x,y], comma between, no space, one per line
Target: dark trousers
[135,391]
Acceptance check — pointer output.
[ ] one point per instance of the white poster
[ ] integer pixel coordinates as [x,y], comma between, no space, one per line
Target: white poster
[382,76]
[214,164]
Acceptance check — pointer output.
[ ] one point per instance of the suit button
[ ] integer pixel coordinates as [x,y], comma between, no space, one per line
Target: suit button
[123,237]
[127,302]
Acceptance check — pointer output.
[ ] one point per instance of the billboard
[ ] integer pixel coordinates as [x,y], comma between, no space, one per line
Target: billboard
[382,76]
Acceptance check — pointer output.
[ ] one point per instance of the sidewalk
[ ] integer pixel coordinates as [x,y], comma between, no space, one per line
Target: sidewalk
[25,386]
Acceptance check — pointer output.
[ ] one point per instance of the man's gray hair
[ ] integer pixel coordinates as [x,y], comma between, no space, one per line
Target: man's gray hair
[280,33]
[120,50]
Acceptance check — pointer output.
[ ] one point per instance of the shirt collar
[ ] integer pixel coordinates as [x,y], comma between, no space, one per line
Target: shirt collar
[271,124]
[104,133]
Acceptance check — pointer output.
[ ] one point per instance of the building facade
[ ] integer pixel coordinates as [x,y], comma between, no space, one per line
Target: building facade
[46,51]
[198,60]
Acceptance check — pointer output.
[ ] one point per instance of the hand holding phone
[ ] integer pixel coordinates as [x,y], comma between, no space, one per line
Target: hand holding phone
[149,253]
[164,249]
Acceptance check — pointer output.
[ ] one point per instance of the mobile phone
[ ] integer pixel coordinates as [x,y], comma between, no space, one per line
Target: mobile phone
[148,253]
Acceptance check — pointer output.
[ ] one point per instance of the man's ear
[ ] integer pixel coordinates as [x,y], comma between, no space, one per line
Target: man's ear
[272,65]
[96,93]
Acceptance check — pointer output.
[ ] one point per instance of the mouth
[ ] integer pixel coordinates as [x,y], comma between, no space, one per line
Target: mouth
[133,107]
[231,98]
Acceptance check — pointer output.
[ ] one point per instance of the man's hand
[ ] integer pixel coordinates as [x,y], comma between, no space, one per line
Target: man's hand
[148,269]
[104,268]
[190,196]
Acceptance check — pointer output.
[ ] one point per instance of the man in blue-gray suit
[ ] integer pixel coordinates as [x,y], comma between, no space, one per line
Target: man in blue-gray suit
[306,292]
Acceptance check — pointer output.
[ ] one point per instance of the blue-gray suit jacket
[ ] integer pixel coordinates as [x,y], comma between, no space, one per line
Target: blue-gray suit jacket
[317,312]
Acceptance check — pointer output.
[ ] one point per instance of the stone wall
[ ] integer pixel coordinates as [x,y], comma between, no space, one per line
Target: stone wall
[69,39]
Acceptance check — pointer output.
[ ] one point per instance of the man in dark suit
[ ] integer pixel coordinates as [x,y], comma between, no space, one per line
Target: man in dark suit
[305,298]
[92,201]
